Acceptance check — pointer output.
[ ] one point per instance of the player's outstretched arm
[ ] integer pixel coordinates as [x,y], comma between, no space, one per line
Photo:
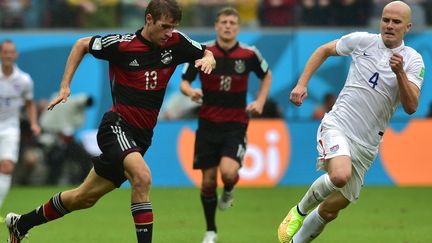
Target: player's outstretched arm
[299,93]
[80,48]
[207,63]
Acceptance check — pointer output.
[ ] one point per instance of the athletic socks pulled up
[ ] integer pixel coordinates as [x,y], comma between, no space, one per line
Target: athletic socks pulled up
[49,211]
[143,218]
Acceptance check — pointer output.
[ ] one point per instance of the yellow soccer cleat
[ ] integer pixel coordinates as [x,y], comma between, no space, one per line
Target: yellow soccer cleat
[290,225]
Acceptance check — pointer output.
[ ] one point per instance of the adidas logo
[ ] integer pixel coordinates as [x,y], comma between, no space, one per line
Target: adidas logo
[134,63]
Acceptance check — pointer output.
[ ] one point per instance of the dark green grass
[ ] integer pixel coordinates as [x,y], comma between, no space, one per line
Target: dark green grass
[382,215]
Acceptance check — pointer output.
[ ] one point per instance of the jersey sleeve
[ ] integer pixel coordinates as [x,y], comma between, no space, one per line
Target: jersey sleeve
[28,91]
[259,65]
[104,47]
[416,71]
[348,43]
[189,50]
[189,72]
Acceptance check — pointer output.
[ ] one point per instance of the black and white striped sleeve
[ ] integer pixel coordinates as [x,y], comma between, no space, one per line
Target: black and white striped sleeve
[188,49]
[105,47]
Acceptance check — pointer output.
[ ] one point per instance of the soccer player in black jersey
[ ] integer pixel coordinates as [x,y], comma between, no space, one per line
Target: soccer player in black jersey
[223,117]
[140,67]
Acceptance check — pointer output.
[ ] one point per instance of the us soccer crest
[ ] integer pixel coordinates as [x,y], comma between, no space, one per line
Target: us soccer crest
[239,66]
[166,57]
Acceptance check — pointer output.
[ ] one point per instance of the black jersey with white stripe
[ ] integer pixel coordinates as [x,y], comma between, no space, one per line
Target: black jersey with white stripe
[139,71]
[225,89]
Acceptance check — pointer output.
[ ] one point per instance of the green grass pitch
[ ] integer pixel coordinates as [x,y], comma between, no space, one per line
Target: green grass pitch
[382,215]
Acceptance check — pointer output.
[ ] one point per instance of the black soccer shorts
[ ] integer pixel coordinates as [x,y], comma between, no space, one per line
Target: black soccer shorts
[211,146]
[116,139]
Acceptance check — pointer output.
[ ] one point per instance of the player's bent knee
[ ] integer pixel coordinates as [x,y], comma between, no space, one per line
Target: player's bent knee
[230,178]
[339,180]
[141,181]
[328,215]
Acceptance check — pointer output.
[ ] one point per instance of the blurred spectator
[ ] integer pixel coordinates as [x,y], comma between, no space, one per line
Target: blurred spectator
[179,106]
[132,13]
[207,10]
[271,109]
[12,13]
[97,13]
[352,12]
[70,117]
[248,11]
[61,147]
[60,14]
[30,167]
[278,12]
[66,154]
[190,15]
[427,7]
[419,12]
[329,100]
[316,13]
[33,14]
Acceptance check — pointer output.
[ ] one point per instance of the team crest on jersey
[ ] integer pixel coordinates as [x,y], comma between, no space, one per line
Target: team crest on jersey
[239,66]
[334,148]
[166,57]
[17,87]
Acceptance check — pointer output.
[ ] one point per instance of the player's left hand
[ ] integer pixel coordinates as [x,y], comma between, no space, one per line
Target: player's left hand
[207,63]
[255,108]
[396,63]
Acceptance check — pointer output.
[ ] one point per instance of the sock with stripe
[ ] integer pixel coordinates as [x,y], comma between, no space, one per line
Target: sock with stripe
[49,211]
[319,190]
[143,218]
[209,203]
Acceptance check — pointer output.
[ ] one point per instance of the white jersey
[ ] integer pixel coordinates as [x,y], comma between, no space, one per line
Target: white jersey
[14,91]
[371,93]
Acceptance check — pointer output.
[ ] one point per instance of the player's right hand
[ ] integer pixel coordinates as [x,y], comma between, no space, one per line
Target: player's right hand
[196,95]
[62,96]
[298,94]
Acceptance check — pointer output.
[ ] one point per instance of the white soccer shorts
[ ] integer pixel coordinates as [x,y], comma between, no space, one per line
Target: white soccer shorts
[9,144]
[332,142]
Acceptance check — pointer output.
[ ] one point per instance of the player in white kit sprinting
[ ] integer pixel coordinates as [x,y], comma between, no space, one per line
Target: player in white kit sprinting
[383,73]
[16,91]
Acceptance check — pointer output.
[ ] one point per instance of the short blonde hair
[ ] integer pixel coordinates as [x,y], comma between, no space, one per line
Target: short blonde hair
[227,11]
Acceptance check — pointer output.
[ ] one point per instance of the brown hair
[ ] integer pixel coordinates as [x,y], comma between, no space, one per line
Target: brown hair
[168,8]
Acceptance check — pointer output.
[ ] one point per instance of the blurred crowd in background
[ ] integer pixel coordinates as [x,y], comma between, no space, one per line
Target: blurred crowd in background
[31,14]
